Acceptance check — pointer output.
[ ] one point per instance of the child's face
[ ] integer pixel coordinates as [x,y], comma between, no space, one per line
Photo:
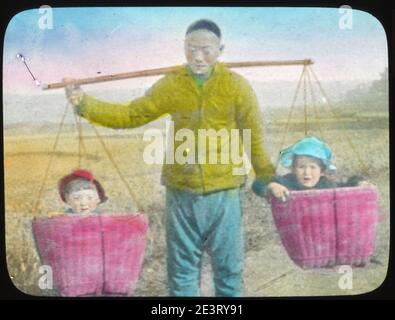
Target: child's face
[202,49]
[83,201]
[307,171]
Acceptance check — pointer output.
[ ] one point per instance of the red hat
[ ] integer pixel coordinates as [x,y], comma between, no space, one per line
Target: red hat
[81,174]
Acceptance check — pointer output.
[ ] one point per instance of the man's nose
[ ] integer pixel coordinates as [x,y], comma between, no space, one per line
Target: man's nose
[198,56]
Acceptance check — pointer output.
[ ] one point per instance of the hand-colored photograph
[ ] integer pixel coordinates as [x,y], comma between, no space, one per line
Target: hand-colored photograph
[196,151]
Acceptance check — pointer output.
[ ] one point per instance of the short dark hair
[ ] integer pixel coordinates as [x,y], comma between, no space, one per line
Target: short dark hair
[204,24]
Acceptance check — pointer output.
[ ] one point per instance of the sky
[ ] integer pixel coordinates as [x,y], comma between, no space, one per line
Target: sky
[85,42]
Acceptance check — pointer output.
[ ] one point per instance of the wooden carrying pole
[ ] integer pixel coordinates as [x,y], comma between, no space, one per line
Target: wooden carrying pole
[160,71]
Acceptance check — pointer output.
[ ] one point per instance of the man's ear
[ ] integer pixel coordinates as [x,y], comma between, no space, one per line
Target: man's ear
[221,48]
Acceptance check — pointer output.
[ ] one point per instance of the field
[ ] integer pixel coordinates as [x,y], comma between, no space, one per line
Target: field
[267,270]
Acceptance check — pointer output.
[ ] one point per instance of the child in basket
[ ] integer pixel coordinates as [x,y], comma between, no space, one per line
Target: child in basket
[81,192]
[310,162]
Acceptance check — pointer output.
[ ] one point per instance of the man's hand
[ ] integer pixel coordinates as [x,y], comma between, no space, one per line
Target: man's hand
[278,191]
[74,93]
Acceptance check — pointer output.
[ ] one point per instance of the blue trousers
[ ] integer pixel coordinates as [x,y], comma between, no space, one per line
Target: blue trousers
[195,223]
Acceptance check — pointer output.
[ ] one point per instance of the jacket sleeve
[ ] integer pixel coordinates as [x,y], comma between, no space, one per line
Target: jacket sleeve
[353,181]
[249,117]
[154,104]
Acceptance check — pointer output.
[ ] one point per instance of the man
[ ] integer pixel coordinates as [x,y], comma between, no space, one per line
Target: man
[203,205]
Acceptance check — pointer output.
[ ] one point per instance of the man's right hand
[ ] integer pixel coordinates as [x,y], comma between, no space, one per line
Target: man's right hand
[73,91]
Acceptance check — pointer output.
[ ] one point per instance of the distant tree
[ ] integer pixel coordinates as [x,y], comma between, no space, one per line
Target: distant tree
[380,87]
[373,96]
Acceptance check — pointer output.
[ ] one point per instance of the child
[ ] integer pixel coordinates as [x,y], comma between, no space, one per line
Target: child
[81,192]
[310,162]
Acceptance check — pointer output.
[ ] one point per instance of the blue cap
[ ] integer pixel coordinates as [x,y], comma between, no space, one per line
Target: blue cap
[309,146]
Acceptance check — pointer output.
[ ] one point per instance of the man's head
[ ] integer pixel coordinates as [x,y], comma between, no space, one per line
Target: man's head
[202,46]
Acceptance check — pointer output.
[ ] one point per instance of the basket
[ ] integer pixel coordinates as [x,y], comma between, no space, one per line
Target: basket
[93,255]
[323,228]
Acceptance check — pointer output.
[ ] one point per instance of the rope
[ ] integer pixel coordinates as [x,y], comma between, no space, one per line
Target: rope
[304,102]
[291,111]
[35,209]
[313,102]
[131,193]
[361,162]
[81,144]
[81,151]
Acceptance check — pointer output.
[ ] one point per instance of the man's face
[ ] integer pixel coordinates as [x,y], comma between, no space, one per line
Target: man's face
[83,201]
[307,171]
[202,49]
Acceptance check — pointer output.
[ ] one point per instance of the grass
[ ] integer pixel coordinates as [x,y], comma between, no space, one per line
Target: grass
[267,272]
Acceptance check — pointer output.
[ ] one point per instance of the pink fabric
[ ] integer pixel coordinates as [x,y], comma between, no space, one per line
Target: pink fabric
[92,255]
[307,227]
[356,215]
[321,228]
[124,246]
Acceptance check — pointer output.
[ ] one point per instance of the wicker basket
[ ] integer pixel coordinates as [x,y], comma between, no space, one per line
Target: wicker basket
[322,228]
[93,255]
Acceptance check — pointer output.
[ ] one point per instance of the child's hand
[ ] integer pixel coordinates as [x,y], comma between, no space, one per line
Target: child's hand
[278,191]
[52,214]
[73,92]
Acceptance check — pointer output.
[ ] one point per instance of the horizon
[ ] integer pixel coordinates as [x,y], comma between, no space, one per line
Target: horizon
[272,95]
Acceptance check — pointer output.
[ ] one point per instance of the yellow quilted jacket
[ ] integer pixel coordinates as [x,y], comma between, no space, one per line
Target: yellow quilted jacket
[225,101]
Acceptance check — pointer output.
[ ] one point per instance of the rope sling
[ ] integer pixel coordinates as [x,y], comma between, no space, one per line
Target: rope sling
[305,81]
[82,152]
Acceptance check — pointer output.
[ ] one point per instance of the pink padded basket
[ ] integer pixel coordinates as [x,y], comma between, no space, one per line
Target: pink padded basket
[94,255]
[322,228]
[357,217]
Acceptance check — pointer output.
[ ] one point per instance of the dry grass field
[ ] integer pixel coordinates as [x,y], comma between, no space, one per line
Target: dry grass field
[267,271]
